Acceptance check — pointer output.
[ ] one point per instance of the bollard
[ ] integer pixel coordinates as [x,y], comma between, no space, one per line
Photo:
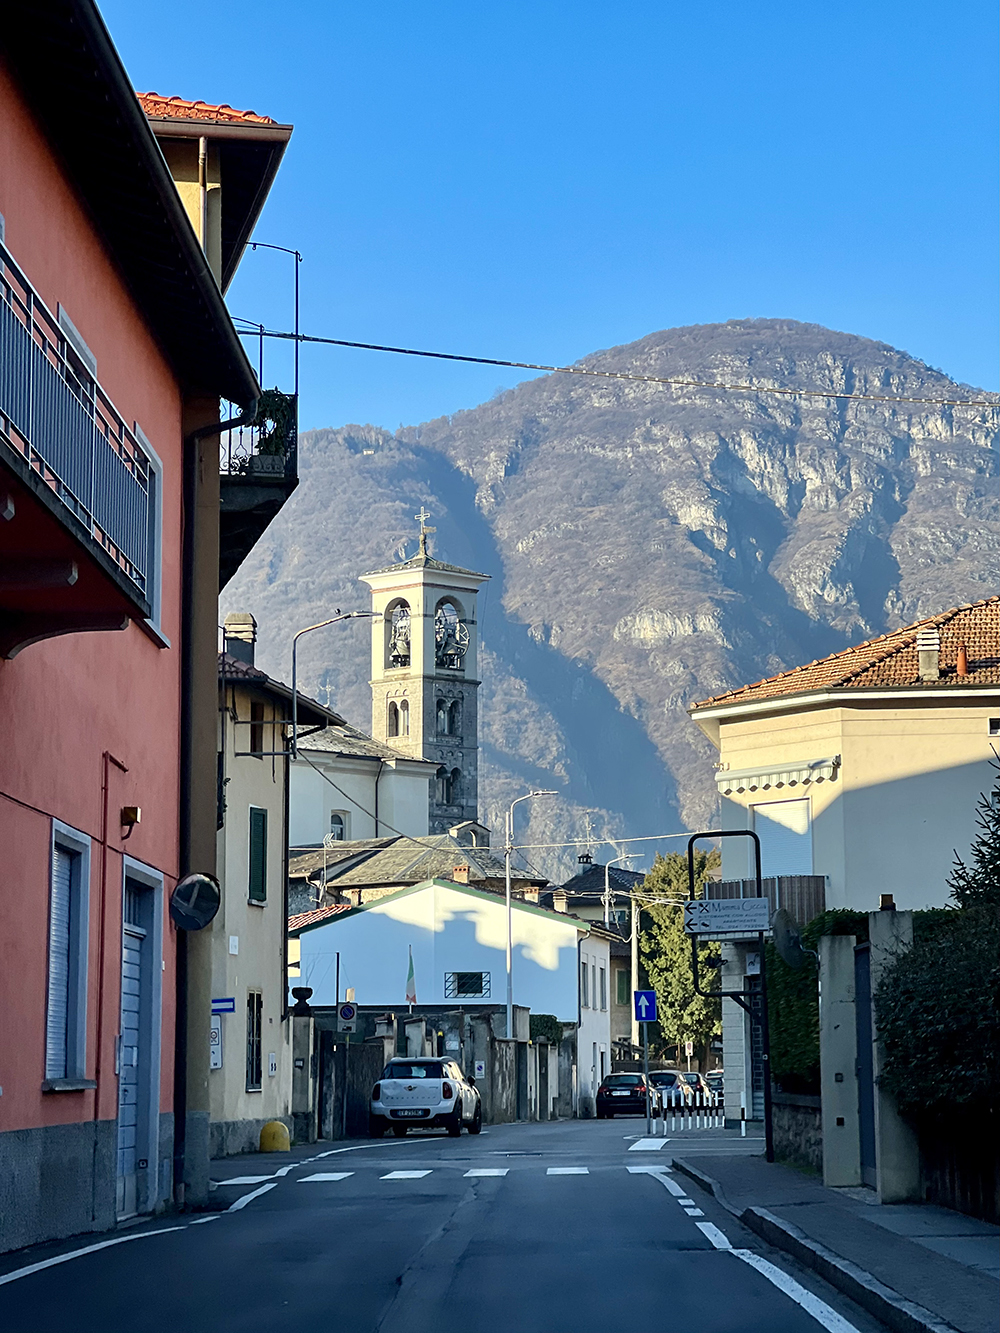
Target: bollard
[274,1137]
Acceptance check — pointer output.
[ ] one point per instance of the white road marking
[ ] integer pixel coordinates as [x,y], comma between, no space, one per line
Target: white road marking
[820,1311]
[76,1254]
[712,1233]
[244,1180]
[196,1221]
[694,1212]
[284,1170]
[248,1198]
[647,1145]
[646,1170]
[676,1190]
[687,1203]
[405,1175]
[488,1171]
[568,1171]
[326,1175]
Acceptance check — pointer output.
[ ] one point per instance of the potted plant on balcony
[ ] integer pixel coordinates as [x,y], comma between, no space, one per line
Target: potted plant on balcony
[275,426]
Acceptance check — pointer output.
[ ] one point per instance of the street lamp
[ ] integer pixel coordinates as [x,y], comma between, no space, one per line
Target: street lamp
[345,615]
[508,848]
[626,856]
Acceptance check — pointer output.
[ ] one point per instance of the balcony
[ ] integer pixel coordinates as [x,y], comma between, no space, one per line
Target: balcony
[259,471]
[77,524]
[802,896]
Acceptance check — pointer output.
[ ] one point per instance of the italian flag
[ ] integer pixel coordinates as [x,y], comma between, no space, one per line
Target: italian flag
[411,985]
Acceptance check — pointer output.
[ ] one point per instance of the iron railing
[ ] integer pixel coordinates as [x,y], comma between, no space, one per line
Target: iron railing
[267,449]
[802,896]
[57,418]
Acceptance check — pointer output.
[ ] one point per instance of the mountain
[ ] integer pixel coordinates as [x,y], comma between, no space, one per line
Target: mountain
[648,546]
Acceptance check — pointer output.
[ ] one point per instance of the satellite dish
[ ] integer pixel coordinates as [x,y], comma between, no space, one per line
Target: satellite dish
[195,901]
[787,939]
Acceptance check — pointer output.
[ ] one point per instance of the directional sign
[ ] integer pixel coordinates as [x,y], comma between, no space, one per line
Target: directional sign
[727,916]
[645,1006]
[347,1018]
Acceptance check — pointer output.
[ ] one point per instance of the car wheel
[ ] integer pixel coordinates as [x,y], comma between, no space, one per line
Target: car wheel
[477,1120]
[400,1131]
[376,1126]
[455,1122]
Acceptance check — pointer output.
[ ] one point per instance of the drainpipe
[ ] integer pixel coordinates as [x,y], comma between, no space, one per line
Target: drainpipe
[203,191]
[245,418]
[381,765]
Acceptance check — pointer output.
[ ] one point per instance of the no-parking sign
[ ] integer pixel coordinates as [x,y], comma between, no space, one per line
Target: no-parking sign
[347,1018]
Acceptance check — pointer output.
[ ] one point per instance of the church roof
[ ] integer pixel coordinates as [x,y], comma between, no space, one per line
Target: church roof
[346,741]
[423,561]
[401,860]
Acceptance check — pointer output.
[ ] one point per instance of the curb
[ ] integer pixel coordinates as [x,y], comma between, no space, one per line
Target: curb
[893,1310]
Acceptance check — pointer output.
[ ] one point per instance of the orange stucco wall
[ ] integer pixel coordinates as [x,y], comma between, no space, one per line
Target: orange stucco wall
[66,701]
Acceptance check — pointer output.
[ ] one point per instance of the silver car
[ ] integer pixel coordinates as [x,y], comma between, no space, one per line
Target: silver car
[424,1094]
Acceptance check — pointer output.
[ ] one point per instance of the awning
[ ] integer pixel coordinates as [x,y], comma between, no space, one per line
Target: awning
[782,775]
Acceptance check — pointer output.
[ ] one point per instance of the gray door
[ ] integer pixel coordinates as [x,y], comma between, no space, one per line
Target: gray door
[132,1056]
[866,1068]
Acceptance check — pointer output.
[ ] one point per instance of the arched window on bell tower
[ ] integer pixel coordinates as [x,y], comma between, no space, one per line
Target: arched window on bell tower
[443,718]
[392,719]
[454,717]
[404,717]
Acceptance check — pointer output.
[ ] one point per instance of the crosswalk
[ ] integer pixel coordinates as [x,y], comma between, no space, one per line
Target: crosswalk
[661,1172]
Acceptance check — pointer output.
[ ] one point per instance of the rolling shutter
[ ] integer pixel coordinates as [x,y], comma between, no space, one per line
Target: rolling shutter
[258,855]
[57,1018]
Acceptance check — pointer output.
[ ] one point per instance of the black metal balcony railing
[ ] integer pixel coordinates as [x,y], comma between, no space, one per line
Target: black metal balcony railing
[60,421]
[267,449]
[802,896]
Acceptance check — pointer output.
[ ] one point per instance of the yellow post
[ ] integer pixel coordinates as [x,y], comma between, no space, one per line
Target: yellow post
[274,1137]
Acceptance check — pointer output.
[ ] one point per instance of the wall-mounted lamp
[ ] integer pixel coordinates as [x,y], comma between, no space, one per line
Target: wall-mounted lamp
[130,816]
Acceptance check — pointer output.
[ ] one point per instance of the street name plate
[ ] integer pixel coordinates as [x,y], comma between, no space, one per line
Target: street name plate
[727,916]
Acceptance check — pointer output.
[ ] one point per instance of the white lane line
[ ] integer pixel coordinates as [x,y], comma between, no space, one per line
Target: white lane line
[712,1233]
[647,1170]
[405,1175]
[197,1221]
[694,1212]
[284,1170]
[244,1180]
[568,1171]
[248,1198]
[647,1145]
[76,1254]
[326,1175]
[488,1171]
[676,1190]
[820,1311]
[687,1203]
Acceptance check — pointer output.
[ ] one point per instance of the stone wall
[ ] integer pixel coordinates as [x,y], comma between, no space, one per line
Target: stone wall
[798,1129]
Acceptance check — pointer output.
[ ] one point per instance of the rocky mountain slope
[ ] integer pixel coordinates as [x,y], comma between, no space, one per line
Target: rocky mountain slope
[648,546]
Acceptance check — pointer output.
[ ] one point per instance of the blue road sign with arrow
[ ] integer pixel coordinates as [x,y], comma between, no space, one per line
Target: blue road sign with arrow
[645,1006]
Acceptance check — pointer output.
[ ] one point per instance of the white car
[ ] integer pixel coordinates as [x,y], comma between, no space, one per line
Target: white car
[424,1093]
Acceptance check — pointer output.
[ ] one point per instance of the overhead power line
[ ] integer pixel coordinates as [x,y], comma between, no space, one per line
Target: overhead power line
[675,383]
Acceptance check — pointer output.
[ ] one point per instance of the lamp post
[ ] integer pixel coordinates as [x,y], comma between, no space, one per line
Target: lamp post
[508,848]
[345,615]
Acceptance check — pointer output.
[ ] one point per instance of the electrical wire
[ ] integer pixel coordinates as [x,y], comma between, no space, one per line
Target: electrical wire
[258,332]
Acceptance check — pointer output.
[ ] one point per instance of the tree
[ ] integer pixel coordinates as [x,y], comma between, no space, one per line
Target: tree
[665,952]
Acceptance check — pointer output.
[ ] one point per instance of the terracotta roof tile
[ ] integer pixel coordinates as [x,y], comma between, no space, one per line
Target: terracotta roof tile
[158,107]
[317,914]
[890,661]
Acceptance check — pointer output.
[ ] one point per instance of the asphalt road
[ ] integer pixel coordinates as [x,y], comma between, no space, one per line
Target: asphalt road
[571,1227]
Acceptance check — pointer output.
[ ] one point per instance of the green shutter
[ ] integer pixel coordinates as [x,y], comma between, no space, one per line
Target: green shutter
[258,855]
[622,986]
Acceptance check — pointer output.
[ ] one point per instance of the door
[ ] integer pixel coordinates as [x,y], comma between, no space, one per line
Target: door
[133,1057]
[866,1066]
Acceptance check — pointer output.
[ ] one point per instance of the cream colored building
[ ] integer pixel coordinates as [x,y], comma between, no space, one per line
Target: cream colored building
[250,1075]
[861,770]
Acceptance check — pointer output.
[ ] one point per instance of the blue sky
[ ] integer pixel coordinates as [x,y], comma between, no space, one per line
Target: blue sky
[536,180]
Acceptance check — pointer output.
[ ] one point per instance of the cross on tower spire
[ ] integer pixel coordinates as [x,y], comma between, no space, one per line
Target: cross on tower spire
[422,518]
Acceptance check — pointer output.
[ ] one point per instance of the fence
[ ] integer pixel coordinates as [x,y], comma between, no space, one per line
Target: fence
[802,896]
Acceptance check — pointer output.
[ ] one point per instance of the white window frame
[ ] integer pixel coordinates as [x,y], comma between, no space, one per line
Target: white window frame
[154,579]
[603,972]
[74,1077]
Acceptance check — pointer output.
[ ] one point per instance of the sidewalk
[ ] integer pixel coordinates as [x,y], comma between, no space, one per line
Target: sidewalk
[915,1267]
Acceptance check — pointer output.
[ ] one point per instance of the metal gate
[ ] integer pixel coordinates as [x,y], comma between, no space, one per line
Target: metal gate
[132,1057]
[865,1065]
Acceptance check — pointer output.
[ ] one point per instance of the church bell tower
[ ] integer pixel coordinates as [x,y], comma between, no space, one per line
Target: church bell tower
[425,674]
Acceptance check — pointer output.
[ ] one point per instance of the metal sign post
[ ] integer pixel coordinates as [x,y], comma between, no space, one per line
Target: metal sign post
[753,1001]
[645,1013]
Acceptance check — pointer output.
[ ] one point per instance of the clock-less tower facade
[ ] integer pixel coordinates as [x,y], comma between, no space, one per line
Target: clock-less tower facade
[425,675]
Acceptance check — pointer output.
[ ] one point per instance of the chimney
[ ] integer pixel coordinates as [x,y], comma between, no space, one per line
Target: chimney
[928,654]
[962,665]
[460,875]
[239,635]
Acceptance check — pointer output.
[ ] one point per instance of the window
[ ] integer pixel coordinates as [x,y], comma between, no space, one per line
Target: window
[397,635]
[604,1060]
[466,985]
[338,826]
[584,986]
[66,1011]
[453,718]
[258,855]
[257,729]
[392,720]
[255,1022]
[154,532]
[593,985]
[621,983]
[404,718]
[449,785]
[604,989]
[785,837]
[442,717]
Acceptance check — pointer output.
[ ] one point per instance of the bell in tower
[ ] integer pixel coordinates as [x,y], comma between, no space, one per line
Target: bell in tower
[425,674]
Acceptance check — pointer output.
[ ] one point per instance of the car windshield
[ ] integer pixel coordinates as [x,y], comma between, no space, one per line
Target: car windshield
[416,1069]
[667,1080]
[623,1081]
[691,1078]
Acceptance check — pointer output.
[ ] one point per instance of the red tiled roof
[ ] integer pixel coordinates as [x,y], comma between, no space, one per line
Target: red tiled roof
[890,661]
[301,919]
[158,107]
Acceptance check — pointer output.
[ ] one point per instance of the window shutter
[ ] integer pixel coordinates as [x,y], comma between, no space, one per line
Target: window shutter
[57,1019]
[258,855]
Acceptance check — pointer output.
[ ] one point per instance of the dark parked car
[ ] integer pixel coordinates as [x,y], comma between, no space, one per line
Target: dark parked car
[714,1079]
[673,1088]
[622,1094]
[696,1082]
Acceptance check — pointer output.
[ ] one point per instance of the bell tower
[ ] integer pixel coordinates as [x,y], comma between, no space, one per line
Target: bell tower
[425,674]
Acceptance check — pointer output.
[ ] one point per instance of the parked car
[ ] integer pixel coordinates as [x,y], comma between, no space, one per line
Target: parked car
[714,1079]
[425,1094]
[673,1088]
[621,1094]
[696,1082]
